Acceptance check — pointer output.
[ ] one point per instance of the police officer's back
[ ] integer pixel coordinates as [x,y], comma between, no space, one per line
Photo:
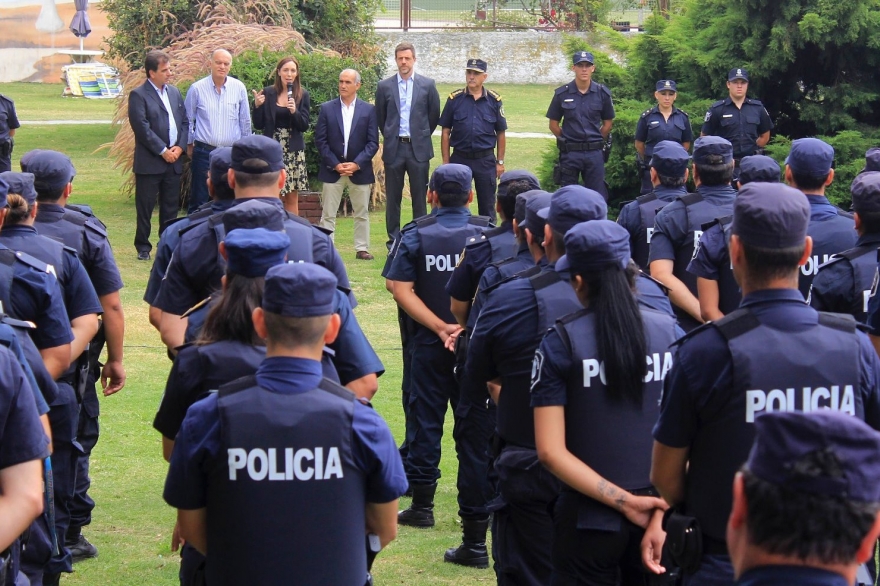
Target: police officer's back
[742,120]
[773,354]
[334,473]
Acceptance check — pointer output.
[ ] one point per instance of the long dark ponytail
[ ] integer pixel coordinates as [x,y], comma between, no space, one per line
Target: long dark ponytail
[230,319]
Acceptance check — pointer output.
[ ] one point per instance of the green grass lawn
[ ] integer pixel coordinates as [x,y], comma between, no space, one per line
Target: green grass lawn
[132,525]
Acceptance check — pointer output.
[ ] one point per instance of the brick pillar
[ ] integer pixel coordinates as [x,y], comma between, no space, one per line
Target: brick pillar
[310,206]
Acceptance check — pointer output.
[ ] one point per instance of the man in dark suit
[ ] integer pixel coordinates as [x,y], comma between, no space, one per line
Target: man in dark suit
[158,118]
[347,138]
[408,110]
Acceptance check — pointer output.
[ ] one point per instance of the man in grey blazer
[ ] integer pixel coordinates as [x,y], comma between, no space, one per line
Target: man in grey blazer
[407,110]
[158,118]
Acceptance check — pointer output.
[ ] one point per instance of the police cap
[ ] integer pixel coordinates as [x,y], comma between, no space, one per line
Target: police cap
[738,73]
[458,175]
[257,154]
[872,160]
[595,246]
[522,199]
[810,156]
[670,159]
[533,221]
[666,85]
[571,205]
[21,184]
[299,290]
[706,148]
[250,252]
[516,175]
[220,161]
[476,65]
[865,190]
[252,213]
[52,170]
[784,438]
[759,168]
[581,56]
[771,215]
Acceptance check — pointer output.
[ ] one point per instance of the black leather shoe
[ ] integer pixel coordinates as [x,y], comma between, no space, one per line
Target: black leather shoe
[81,549]
[144,255]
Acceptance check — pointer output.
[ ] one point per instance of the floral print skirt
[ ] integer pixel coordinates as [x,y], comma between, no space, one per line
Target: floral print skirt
[294,162]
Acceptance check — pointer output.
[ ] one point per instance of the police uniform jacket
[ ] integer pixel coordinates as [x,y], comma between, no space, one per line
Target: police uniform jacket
[493,245]
[581,113]
[637,217]
[475,122]
[21,434]
[13,335]
[846,282]
[832,231]
[741,126]
[712,261]
[653,127]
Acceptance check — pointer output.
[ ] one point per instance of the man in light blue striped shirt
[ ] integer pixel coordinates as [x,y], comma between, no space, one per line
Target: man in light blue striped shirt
[219,114]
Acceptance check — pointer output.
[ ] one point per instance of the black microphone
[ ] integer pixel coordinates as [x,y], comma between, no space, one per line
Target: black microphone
[290,91]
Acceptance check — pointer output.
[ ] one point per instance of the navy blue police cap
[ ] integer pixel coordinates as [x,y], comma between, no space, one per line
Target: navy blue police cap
[454,173]
[300,290]
[257,154]
[52,170]
[872,160]
[220,161]
[759,168]
[522,199]
[21,184]
[476,65]
[250,252]
[783,439]
[666,85]
[4,190]
[865,191]
[509,177]
[571,205]
[252,213]
[810,156]
[771,215]
[595,246]
[670,159]
[581,56]
[738,73]
[706,148]
[533,221]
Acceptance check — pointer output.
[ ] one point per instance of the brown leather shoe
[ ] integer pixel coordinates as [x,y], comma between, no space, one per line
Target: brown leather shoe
[363,255]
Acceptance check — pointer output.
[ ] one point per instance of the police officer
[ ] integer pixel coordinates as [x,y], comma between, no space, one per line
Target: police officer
[678,226]
[222,198]
[53,176]
[296,482]
[818,473]
[668,174]
[586,112]
[844,283]
[717,290]
[425,256]
[872,160]
[474,125]
[662,122]
[594,380]
[775,353]
[808,168]
[196,267]
[741,120]
[8,124]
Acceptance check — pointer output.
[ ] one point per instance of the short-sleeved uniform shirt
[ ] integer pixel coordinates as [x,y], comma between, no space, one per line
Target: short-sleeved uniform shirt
[654,127]
[741,126]
[581,114]
[631,218]
[473,263]
[8,117]
[197,449]
[475,122]
[835,287]
[21,433]
[17,343]
[671,223]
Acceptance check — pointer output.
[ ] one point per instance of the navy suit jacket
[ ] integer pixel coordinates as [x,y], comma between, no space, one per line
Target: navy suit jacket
[149,121]
[363,141]
[424,115]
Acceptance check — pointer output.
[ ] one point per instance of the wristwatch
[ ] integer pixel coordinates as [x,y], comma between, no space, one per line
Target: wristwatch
[500,161]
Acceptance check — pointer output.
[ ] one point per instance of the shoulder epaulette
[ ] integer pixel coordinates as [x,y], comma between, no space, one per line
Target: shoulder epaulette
[755,101]
[481,221]
[17,323]
[839,321]
[495,95]
[716,104]
[322,230]
[8,99]
[561,89]
[32,262]
[646,112]
[82,208]
[646,198]
[686,115]
[477,240]
[690,198]
[496,231]
[844,213]
[428,220]
[196,307]
[663,287]
[455,94]
[711,223]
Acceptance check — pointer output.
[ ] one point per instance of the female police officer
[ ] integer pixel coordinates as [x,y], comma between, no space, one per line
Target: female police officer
[662,122]
[596,379]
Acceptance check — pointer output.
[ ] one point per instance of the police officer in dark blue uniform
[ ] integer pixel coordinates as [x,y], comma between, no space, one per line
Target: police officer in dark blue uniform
[717,290]
[300,469]
[660,123]
[668,174]
[775,353]
[426,255]
[742,120]
[808,168]
[844,283]
[474,125]
[8,124]
[595,378]
[805,502]
[53,176]
[222,198]
[256,172]
[586,112]
[872,160]
[679,225]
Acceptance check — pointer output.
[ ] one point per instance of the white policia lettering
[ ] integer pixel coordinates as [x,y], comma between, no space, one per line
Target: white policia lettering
[658,366]
[441,262]
[301,464]
[811,399]
[811,267]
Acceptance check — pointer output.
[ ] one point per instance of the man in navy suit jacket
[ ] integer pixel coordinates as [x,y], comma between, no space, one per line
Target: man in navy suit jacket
[158,118]
[347,137]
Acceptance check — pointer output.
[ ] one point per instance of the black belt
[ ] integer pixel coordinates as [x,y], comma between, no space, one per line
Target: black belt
[204,145]
[474,154]
[404,139]
[568,147]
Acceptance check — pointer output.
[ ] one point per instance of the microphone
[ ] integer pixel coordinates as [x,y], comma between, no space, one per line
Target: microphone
[290,91]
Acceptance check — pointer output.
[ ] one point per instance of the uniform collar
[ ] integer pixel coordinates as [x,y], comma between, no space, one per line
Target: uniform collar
[220,205]
[289,376]
[20,228]
[669,193]
[572,87]
[480,97]
[50,209]
[805,576]
[868,239]
[453,212]
[716,191]
[773,295]
[268,199]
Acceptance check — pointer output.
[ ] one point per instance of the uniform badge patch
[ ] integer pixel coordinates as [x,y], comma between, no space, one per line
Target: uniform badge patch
[537,364]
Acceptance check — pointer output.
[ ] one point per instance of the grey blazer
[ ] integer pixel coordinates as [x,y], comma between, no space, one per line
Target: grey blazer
[149,121]
[424,116]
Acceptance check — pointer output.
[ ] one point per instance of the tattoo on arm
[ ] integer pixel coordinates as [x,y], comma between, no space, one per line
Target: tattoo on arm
[608,490]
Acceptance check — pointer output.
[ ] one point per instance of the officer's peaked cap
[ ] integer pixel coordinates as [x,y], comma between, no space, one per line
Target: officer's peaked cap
[250,252]
[253,213]
[509,177]
[52,170]
[810,156]
[533,221]
[522,199]
[571,205]
[594,246]
[299,290]
[706,148]
[21,184]
[459,175]
[257,154]
[758,168]
[865,191]
[669,158]
[771,215]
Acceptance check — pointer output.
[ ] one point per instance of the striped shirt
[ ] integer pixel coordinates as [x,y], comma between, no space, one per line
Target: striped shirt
[218,119]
